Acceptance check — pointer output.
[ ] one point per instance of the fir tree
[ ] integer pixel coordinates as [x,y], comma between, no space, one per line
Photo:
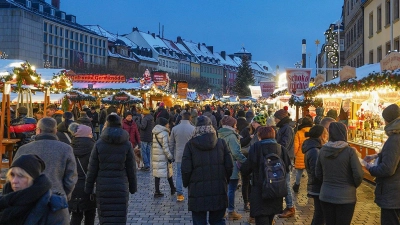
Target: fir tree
[244,78]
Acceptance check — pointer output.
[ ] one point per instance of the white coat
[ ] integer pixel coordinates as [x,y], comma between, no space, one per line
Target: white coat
[161,154]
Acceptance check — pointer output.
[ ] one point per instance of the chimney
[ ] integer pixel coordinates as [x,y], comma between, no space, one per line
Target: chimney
[179,39]
[55,4]
[211,49]
[154,35]
[135,29]
[198,46]
[223,54]
[204,44]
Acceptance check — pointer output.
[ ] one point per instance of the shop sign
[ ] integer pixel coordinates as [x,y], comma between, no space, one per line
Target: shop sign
[122,97]
[267,88]
[359,98]
[87,78]
[182,89]
[390,97]
[284,98]
[347,72]
[255,91]
[332,103]
[346,105]
[73,95]
[160,78]
[391,61]
[298,80]
[319,79]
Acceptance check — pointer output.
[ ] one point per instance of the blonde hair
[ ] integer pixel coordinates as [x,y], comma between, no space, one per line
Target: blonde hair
[21,172]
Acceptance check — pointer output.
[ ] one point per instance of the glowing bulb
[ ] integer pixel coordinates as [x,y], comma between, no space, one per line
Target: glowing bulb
[14,76]
[33,67]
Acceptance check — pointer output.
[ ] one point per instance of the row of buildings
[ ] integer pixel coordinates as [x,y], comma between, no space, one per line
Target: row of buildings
[45,35]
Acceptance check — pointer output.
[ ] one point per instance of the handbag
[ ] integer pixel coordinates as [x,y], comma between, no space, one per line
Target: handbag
[93,194]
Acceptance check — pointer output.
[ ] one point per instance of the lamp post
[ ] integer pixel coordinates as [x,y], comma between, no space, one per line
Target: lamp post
[3,55]
[47,64]
[317,42]
[298,64]
[309,59]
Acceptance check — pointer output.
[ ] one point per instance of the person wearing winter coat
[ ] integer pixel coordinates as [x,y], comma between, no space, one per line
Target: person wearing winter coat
[319,116]
[206,168]
[339,168]
[311,148]
[387,169]
[102,117]
[263,210]
[146,125]
[130,126]
[112,167]
[299,138]
[27,197]
[162,157]
[63,133]
[23,127]
[194,114]
[161,112]
[241,121]
[228,133]
[84,119]
[81,205]
[285,137]
[209,114]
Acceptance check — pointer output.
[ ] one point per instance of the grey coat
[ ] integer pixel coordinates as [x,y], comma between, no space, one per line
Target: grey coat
[213,119]
[387,171]
[180,135]
[341,173]
[161,153]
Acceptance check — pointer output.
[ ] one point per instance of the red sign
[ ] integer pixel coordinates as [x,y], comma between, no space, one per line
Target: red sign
[160,78]
[98,78]
[298,80]
[182,89]
[267,88]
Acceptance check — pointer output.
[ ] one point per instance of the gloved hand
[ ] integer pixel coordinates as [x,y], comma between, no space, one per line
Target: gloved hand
[171,160]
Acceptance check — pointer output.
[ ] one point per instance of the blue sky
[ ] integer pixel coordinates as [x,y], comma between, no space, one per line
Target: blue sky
[271,30]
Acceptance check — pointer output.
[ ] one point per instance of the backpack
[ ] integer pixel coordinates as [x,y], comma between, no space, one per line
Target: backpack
[274,176]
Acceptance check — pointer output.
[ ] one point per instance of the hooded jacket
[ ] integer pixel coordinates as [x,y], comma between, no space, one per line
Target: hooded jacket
[311,148]
[285,135]
[232,140]
[146,125]
[299,138]
[112,167]
[160,154]
[341,173]
[206,168]
[387,171]
[132,129]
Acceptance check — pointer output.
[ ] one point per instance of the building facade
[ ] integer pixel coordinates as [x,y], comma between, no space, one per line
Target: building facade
[353,20]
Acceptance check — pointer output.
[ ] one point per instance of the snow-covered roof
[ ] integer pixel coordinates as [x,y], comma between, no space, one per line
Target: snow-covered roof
[193,48]
[154,42]
[115,86]
[171,45]
[38,97]
[182,48]
[237,60]
[361,72]
[7,66]
[132,97]
[229,61]
[243,50]
[101,31]
[116,55]
[265,65]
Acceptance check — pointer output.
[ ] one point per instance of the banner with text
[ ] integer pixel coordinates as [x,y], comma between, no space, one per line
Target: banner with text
[182,89]
[298,80]
[255,91]
[97,78]
[267,88]
[391,97]
[160,78]
[332,103]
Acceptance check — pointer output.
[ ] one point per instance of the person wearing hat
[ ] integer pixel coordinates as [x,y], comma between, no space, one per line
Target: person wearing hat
[112,168]
[23,127]
[340,170]
[241,120]
[206,168]
[130,126]
[146,125]
[387,170]
[228,133]
[63,133]
[332,113]
[27,195]
[311,148]
[84,119]
[208,113]
[80,204]
[162,157]
[54,112]
[161,112]
[285,137]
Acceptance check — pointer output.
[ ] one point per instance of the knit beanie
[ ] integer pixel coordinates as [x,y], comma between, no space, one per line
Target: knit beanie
[67,115]
[228,121]
[203,121]
[32,164]
[315,131]
[22,110]
[114,120]
[337,132]
[260,119]
[241,113]
[162,121]
[332,113]
[162,104]
[391,113]
[83,114]
[280,114]
[83,131]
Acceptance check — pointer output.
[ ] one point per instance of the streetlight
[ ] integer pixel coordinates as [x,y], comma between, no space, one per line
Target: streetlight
[47,64]
[298,64]
[309,59]
[3,55]
[317,42]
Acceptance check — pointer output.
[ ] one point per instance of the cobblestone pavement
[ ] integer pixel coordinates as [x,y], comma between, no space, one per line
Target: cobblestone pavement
[144,209]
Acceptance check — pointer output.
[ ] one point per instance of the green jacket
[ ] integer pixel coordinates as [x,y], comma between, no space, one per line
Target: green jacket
[232,140]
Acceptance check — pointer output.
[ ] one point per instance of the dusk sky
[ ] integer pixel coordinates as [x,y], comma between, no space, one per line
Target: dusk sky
[271,30]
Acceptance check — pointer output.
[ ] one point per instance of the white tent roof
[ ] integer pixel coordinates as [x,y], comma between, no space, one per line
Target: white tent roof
[132,97]
[37,98]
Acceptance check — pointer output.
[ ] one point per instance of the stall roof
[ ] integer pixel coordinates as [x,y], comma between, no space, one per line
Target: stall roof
[361,72]
[38,97]
[116,86]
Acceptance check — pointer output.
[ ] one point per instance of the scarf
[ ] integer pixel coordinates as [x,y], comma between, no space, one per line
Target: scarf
[16,206]
[200,130]
[229,127]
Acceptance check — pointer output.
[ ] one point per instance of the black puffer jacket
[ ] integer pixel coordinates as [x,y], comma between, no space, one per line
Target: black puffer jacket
[206,168]
[62,131]
[285,135]
[80,201]
[241,123]
[310,150]
[146,125]
[112,166]
[259,206]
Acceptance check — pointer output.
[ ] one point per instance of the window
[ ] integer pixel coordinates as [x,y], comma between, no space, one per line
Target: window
[71,35]
[81,38]
[66,63]
[86,48]
[63,16]
[66,43]
[387,12]
[60,62]
[73,19]
[28,4]
[55,40]
[45,38]
[396,45]
[55,51]
[66,33]
[71,45]
[91,40]
[388,49]
[41,8]
[44,48]
[51,29]
[61,42]
[396,9]
[45,26]
[379,54]
[81,47]
[104,44]
[52,12]
[50,39]
[95,41]
[55,63]
[379,19]
[76,45]
[371,24]
[371,56]
[66,53]
[91,50]
[76,36]
[61,32]
[50,50]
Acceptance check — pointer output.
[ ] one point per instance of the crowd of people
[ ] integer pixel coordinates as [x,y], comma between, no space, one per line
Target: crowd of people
[74,162]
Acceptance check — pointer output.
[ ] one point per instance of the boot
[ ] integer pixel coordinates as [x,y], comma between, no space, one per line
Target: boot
[288,212]
[246,207]
[173,190]
[158,194]
[251,220]
[296,188]
[233,216]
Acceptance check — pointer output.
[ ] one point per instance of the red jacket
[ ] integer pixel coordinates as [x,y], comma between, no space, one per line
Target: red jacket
[133,132]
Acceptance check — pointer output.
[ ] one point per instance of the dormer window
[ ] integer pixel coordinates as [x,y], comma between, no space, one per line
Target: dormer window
[52,12]
[41,8]
[73,19]
[63,16]
[28,4]
[113,50]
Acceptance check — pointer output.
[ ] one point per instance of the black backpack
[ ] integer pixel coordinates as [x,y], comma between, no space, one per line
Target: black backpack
[274,176]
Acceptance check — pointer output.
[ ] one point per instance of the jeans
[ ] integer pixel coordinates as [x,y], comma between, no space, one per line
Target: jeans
[289,197]
[264,220]
[101,126]
[390,216]
[338,214]
[146,147]
[299,173]
[76,218]
[232,186]
[179,185]
[318,217]
[214,217]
